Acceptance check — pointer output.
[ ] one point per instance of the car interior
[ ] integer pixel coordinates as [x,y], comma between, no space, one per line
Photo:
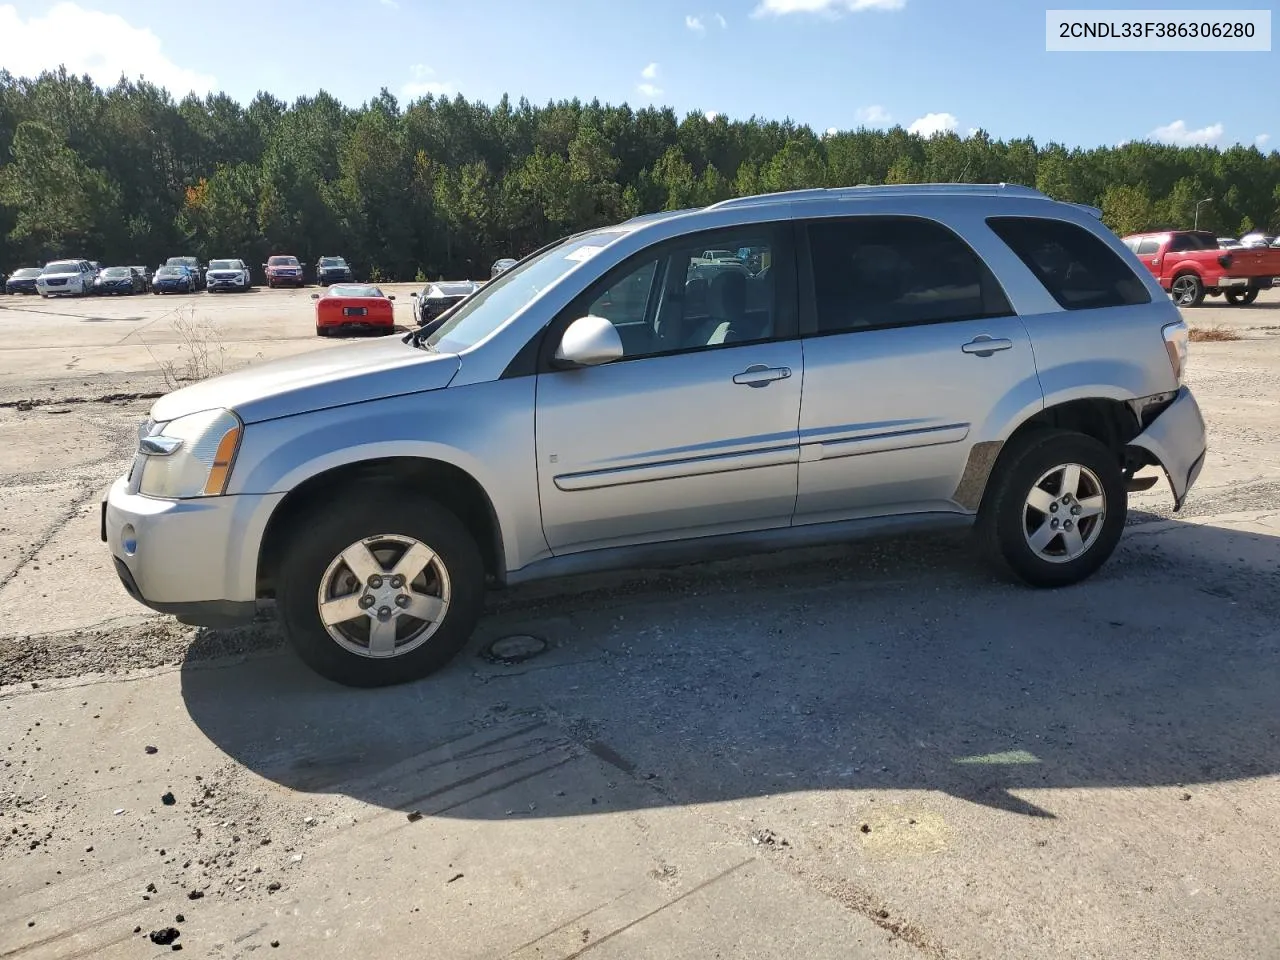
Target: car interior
[685,301]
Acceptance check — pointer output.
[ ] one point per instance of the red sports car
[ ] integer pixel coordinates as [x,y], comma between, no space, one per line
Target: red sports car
[353,306]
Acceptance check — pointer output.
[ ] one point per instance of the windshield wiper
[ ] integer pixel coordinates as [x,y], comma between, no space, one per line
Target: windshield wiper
[419,339]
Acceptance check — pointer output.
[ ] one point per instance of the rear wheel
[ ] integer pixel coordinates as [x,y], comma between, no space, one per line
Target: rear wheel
[1055,509]
[1187,290]
[381,593]
[1241,298]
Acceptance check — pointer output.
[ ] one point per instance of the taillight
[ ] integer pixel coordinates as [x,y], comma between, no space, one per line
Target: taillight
[1225,259]
[1177,336]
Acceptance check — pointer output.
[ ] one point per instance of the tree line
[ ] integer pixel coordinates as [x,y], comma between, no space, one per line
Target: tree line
[443,187]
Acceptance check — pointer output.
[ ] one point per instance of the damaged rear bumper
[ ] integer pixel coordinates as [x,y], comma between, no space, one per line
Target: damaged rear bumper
[1175,442]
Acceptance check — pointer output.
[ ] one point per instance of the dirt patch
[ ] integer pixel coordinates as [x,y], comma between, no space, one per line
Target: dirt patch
[157,642]
[1216,334]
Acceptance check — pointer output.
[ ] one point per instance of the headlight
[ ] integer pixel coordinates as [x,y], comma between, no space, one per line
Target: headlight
[191,456]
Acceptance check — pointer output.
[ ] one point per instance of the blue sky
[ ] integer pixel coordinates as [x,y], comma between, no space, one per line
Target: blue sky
[937,64]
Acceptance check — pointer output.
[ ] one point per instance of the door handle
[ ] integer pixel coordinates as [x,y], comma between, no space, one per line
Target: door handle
[760,375]
[984,346]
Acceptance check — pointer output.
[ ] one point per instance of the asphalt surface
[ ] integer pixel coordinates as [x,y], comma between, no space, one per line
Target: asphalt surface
[868,751]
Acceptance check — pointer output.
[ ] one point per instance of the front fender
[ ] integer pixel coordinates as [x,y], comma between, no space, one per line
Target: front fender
[484,429]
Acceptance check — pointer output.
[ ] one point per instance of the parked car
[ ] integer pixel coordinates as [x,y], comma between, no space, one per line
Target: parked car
[22,280]
[373,492]
[73,278]
[284,271]
[1190,265]
[333,270]
[436,298]
[146,273]
[117,280]
[174,278]
[194,267]
[1257,240]
[499,266]
[351,306]
[230,275]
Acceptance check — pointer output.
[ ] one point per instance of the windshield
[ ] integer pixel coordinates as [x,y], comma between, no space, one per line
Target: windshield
[180,261]
[332,262]
[223,265]
[500,299]
[346,291]
[283,262]
[170,271]
[62,266]
[26,273]
[116,273]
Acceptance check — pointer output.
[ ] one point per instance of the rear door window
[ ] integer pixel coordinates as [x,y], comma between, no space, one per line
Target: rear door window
[1077,268]
[869,273]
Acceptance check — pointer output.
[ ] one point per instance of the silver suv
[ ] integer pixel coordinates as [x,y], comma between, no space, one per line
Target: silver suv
[892,357]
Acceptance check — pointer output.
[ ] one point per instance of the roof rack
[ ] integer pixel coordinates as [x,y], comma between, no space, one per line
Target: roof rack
[866,191]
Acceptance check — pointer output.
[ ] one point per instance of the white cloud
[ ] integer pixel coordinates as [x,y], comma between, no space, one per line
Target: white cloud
[974,131]
[649,90]
[711,115]
[1178,134]
[874,115]
[831,132]
[724,24]
[695,24]
[1261,139]
[650,72]
[778,8]
[422,84]
[934,123]
[103,45]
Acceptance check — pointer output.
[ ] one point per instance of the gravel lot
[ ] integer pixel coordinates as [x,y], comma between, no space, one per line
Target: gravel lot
[871,751]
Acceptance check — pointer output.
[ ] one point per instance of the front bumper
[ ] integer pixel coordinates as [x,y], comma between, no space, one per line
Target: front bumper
[194,559]
[1176,442]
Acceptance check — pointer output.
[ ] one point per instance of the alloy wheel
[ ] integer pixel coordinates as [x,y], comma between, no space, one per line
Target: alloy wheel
[384,596]
[1064,513]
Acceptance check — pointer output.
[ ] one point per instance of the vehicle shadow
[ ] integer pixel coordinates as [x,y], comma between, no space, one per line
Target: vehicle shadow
[893,665]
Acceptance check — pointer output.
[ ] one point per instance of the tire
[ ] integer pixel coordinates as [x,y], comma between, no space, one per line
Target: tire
[392,519]
[1008,522]
[1241,299]
[1187,290]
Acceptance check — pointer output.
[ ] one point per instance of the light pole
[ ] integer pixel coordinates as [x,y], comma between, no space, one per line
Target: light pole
[1198,205]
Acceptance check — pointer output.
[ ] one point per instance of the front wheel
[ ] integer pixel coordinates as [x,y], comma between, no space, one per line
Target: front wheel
[383,592]
[1187,290]
[1241,298]
[1055,509]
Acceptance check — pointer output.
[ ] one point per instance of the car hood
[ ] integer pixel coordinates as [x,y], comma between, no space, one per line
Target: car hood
[324,378]
[59,275]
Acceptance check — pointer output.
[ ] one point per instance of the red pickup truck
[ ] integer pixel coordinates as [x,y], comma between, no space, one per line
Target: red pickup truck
[1191,264]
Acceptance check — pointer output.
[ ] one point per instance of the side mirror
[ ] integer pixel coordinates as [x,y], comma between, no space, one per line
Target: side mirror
[315,296]
[391,297]
[413,295]
[589,342]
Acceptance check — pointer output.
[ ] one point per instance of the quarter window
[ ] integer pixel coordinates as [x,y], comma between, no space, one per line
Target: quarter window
[875,272]
[1077,268]
[1148,246]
